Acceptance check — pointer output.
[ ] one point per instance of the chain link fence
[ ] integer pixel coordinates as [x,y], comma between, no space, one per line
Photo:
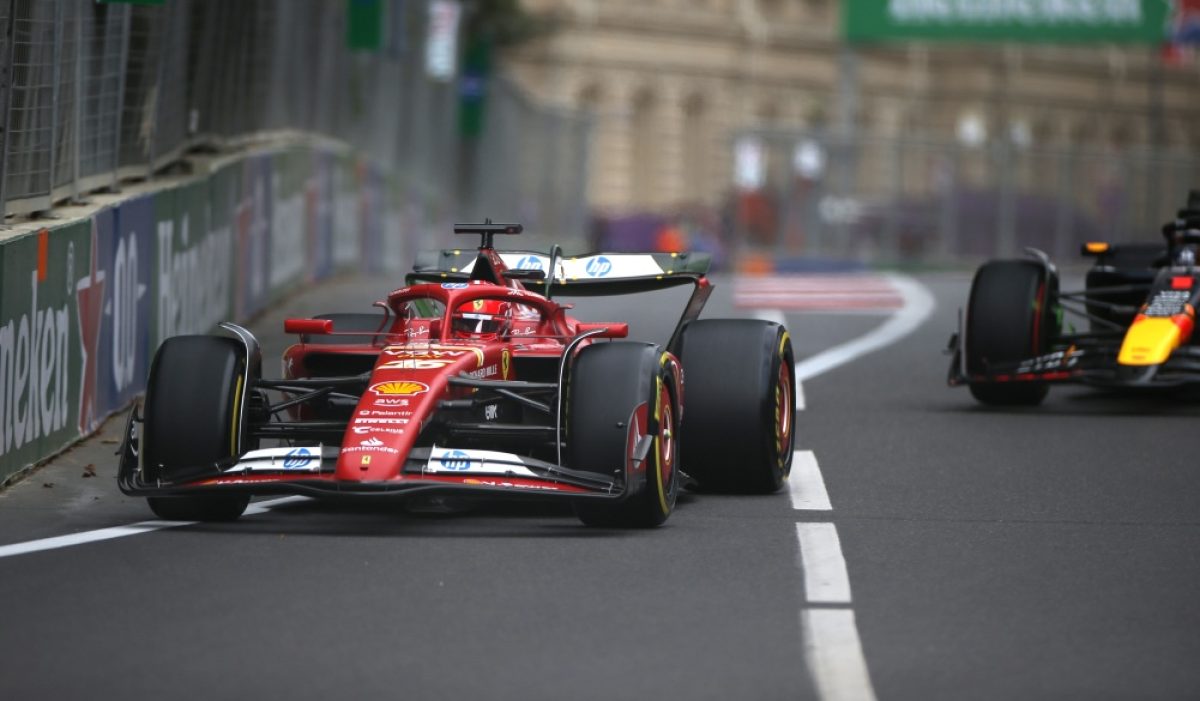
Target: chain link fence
[908,200]
[92,93]
[529,167]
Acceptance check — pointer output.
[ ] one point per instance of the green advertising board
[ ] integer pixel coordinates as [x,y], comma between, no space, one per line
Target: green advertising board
[1046,21]
[364,25]
[47,285]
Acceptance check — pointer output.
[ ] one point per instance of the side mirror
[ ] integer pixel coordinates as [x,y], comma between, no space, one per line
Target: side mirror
[308,326]
[610,330]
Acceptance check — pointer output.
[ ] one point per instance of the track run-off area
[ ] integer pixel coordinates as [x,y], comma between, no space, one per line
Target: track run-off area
[926,548]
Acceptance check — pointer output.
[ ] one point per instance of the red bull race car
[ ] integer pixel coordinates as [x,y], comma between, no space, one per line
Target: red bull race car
[1137,312]
[474,381]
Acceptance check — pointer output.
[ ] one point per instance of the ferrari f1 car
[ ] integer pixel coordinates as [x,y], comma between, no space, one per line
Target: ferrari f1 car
[473,381]
[1138,303]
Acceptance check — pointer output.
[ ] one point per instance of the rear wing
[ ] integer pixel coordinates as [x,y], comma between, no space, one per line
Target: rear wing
[587,275]
[590,274]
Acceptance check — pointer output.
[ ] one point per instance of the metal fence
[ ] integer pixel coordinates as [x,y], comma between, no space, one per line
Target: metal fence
[530,167]
[91,93]
[903,199]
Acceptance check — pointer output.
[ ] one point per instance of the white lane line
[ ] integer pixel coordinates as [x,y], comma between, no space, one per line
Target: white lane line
[832,649]
[261,507]
[834,655]
[918,305]
[799,396]
[66,541]
[805,484]
[825,577]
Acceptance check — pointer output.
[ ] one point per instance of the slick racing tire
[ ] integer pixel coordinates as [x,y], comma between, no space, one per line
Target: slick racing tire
[617,393]
[1010,316]
[193,400]
[740,396]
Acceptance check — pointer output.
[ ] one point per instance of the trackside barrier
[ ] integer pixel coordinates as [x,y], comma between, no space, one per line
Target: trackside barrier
[84,304]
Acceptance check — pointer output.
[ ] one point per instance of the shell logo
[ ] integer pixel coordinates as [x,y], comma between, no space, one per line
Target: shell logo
[406,388]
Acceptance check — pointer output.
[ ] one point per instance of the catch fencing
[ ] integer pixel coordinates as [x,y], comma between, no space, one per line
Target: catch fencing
[909,200]
[92,93]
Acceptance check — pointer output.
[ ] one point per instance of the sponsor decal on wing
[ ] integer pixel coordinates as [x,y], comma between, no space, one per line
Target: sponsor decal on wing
[297,459]
[476,462]
[610,266]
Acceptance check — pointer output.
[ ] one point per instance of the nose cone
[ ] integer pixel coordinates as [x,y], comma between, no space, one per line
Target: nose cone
[1151,340]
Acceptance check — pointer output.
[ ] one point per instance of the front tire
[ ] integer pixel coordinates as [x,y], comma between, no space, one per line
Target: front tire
[1010,317]
[192,409]
[739,426]
[618,393]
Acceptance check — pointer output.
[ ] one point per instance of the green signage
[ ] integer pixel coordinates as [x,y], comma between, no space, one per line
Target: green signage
[364,25]
[1050,21]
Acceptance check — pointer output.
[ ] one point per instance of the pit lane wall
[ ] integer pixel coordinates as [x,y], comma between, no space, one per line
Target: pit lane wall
[84,303]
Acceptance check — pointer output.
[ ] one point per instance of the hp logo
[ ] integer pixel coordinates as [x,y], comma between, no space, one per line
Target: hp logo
[529,263]
[599,267]
[296,458]
[456,460]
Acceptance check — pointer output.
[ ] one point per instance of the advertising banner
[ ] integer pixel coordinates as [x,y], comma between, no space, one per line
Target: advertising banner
[51,298]
[1052,21]
[124,241]
[192,289]
[84,306]
[252,232]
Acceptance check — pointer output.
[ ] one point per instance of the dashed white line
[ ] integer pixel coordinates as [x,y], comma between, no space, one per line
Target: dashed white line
[806,485]
[825,577]
[66,541]
[834,655]
[832,649]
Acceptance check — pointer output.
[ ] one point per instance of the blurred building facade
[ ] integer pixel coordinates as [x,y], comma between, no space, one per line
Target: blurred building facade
[675,84]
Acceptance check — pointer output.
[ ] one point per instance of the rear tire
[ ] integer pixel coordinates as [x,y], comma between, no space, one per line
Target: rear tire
[617,393]
[1011,316]
[193,400]
[740,397]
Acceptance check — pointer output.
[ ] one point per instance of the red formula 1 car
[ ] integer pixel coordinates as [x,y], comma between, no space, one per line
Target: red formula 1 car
[473,381]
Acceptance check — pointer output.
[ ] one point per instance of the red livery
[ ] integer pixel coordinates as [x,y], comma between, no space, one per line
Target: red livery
[473,381]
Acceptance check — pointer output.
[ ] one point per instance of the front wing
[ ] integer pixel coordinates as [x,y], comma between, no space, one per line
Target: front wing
[1087,360]
[426,471]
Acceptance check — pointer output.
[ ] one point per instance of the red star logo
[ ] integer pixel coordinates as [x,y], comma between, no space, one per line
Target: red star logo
[89,296]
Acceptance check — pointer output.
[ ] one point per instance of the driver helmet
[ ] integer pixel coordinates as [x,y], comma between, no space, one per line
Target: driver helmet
[482,318]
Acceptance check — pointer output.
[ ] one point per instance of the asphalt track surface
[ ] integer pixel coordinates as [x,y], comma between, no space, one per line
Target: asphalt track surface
[989,554]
